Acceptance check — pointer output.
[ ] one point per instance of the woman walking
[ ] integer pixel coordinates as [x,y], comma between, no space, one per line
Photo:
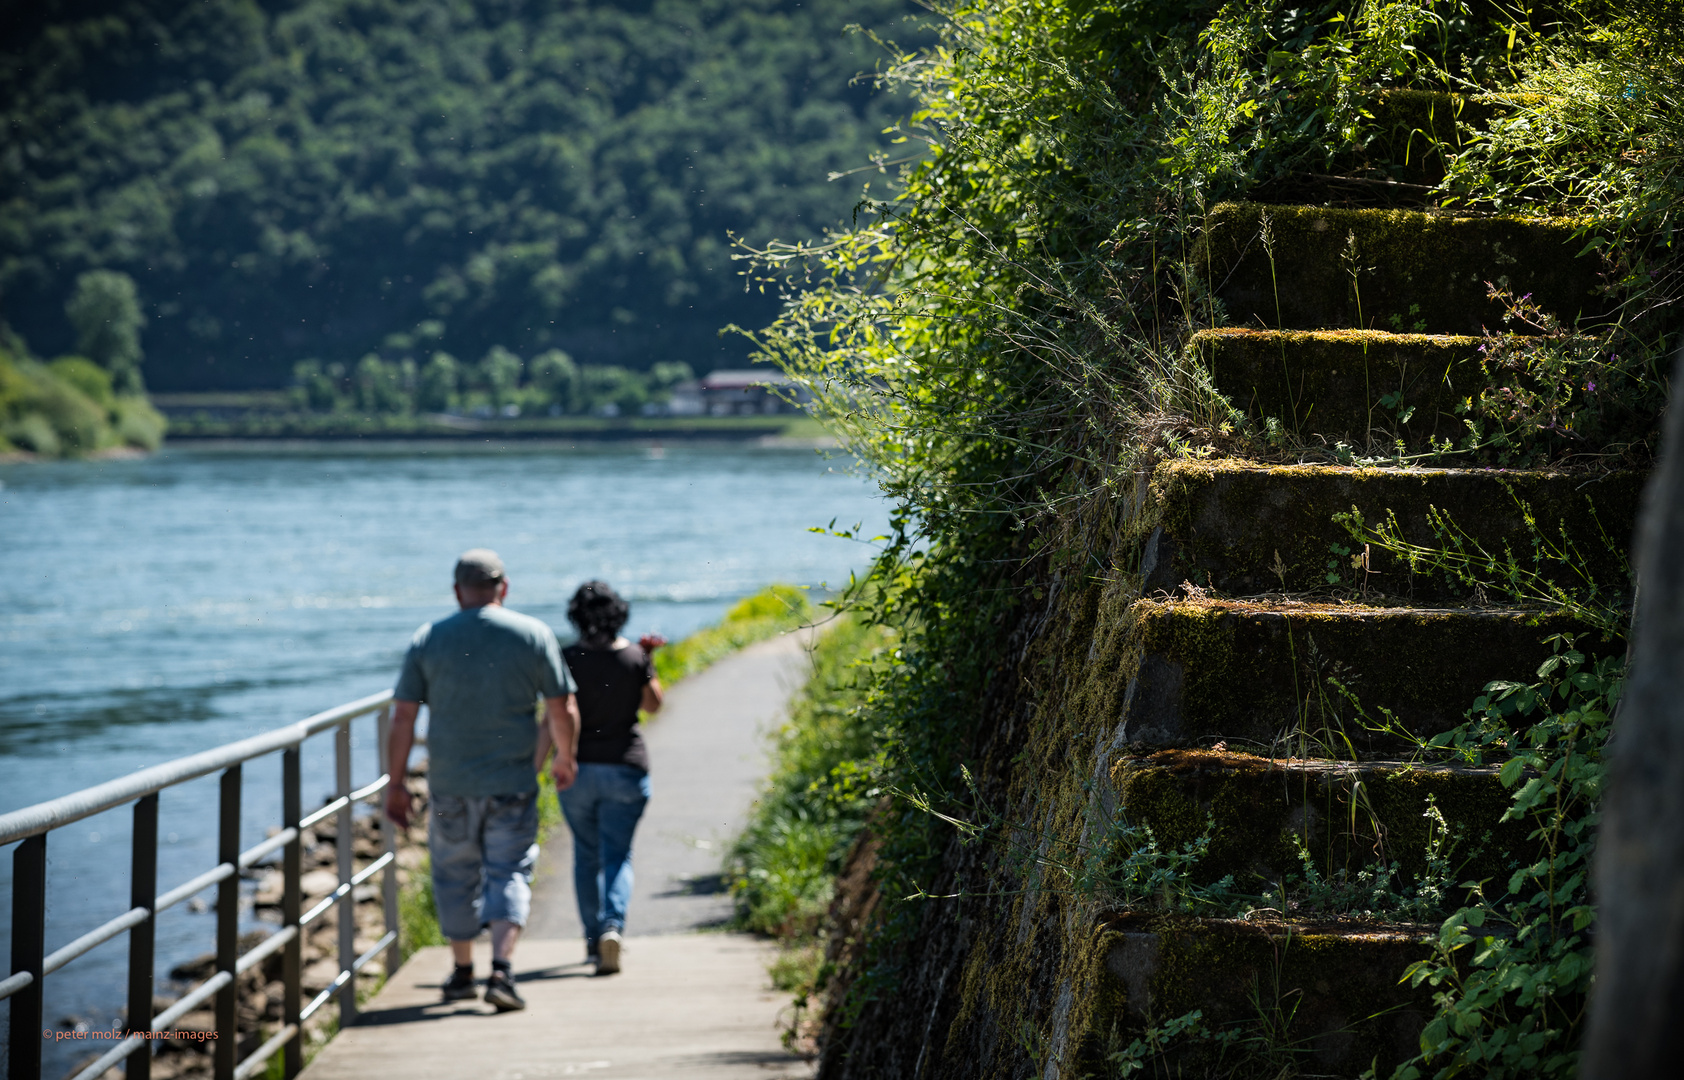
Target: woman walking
[616,678]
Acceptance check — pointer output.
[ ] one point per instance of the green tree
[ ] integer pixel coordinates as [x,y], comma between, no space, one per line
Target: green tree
[499,374]
[666,375]
[385,387]
[313,390]
[555,377]
[566,174]
[105,315]
[440,384]
[611,390]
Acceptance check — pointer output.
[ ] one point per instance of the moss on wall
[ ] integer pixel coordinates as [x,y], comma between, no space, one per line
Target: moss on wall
[1246,529]
[1330,383]
[1413,272]
[1256,672]
[1347,815]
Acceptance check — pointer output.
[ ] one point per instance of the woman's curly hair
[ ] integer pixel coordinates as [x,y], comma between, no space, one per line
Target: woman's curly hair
[598,611]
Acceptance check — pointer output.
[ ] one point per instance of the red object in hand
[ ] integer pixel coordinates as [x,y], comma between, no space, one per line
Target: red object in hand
[651,642]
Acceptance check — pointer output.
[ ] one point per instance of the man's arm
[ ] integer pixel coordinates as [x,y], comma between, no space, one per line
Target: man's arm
[563,716]
[398,745]
[542,753]
[653,695]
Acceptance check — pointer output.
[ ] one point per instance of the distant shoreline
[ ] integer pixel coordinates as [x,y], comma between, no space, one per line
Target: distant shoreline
[255,444]
[457,428]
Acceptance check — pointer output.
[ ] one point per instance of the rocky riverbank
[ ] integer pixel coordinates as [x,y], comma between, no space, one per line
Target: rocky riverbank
[261,993]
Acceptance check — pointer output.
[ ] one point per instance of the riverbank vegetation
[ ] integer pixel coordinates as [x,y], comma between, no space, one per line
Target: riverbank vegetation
[327,178]
[85,404]
[1006,340]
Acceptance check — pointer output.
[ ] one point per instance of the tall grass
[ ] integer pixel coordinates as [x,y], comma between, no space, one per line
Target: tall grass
[773,610]
[784,864]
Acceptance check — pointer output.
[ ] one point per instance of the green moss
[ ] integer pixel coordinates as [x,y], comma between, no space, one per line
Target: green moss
[1246,529]
[1348,816]
[1256,673]
[1331,383]
[1310,1000]
[1416,272]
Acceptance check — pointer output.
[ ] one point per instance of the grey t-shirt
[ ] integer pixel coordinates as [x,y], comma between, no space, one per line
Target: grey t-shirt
[480,672]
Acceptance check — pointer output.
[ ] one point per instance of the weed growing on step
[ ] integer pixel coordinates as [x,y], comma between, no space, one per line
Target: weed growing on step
[1553,395]
[1545,567]
[1511,976]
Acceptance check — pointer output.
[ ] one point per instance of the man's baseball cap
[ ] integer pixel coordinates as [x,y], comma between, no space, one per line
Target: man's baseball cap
[479,566]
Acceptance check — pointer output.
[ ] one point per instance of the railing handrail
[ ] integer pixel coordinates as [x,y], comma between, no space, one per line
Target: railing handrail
[66,809]
[31,827]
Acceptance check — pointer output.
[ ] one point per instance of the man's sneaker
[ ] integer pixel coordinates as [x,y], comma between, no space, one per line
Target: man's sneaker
[591,953]
[460,985]
[608,952]
[500,991]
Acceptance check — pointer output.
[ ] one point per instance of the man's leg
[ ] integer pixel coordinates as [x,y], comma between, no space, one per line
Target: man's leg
[452,843]
[579,806]
[511,852]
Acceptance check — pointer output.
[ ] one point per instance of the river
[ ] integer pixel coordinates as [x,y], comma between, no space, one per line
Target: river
[153,608]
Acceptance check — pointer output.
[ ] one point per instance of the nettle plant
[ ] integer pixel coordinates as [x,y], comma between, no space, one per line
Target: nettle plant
[1511,977]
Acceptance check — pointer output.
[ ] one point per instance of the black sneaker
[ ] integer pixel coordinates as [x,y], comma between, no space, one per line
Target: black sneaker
[460,985]
[500,991]
[591,952]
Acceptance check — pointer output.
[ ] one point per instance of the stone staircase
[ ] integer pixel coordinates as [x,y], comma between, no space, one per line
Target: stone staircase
[1253,596]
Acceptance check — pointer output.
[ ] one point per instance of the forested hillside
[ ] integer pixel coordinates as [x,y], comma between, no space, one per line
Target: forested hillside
[316,179]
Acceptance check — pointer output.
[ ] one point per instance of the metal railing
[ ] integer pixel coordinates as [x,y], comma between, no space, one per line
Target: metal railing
[31,964]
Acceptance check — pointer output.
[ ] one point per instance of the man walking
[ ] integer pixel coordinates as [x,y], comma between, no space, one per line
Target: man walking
[480,673]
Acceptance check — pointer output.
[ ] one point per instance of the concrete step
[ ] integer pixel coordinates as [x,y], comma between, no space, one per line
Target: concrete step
[1348,815]
[1334,989]
[1191,672]
[1362,387]
[1242,529]
[1414,272]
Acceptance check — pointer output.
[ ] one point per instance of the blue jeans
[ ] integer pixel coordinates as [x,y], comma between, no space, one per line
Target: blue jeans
[483,850]
[602,808]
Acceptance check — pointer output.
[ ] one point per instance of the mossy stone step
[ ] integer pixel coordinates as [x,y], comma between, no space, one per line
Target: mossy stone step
[1335,989]
[1256,674]
[1414,272]
[1352,386]
[1347,815]
[1244,529]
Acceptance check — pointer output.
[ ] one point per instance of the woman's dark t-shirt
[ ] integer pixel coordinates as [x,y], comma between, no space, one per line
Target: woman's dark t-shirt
[611,683]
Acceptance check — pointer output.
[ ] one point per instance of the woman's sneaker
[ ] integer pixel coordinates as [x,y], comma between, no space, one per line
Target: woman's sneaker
[500,991]
[460,985]
[608,953]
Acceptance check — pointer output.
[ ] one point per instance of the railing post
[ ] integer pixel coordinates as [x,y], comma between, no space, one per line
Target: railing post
[143,892]
[347,906]
[228,928]
[396,774]
[292,906]
[29,935]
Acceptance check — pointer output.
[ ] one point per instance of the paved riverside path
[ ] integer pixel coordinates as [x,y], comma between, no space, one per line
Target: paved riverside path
[691,1003]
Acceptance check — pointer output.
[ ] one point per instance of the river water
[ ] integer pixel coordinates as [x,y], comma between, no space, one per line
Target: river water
[153,608]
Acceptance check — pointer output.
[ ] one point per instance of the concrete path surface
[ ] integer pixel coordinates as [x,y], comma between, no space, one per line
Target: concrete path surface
[688,1005]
